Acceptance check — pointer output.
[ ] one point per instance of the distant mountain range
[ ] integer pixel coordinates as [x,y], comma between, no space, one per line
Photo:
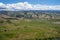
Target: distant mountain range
[29,13]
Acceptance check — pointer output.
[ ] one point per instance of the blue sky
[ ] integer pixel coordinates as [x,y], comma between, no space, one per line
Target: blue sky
[30,4]
[47,2]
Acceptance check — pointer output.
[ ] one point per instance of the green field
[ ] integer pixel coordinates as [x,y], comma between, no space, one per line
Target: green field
[34,29]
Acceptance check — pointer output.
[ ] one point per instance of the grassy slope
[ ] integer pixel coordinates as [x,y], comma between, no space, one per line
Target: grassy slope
[22,29]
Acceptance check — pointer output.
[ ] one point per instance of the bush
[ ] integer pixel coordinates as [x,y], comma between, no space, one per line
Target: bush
[8,21]
[1,21]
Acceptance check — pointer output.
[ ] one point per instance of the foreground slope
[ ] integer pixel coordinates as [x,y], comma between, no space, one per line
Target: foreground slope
[29,30]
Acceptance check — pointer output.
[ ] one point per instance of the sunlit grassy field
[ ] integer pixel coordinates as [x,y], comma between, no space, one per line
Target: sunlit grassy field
[34,29]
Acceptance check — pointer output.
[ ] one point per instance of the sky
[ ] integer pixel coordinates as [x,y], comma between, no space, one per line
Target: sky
[30,4]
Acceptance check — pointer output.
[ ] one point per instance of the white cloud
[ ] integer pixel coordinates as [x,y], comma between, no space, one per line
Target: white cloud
[27,6]
[2,5]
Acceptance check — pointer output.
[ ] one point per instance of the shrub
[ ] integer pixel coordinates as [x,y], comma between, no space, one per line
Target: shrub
[8,21]
[1,21]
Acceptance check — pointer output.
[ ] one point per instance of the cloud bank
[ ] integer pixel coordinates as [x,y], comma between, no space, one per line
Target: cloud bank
[28,6]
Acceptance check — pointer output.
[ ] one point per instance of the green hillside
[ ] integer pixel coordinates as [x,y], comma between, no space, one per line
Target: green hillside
[26,29]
